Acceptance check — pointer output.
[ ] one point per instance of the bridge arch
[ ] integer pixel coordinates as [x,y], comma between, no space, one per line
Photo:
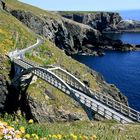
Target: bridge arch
[70,79]
[48,76]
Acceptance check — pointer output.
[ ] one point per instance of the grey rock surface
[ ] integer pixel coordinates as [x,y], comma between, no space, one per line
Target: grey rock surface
[97,20]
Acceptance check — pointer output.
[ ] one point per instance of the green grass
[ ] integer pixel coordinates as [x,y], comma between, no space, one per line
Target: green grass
[78,12]
[105,130]
[15,5]
[81,12]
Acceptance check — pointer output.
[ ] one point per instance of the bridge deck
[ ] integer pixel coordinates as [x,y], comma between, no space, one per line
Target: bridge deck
[103,105]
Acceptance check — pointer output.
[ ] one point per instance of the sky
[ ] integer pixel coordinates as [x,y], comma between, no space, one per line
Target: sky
[85,5]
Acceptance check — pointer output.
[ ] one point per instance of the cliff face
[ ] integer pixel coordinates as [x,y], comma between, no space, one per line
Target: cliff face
[97,20]
[66,34]
[129,25]
[3,93]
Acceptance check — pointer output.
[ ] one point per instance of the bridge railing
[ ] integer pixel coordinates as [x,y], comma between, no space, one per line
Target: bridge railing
[101,109]
[118,106]
[70,79]
[113,104]
[44,74]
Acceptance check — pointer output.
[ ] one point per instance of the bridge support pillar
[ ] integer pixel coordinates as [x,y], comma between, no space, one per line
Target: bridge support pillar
[90,113]
[15,70]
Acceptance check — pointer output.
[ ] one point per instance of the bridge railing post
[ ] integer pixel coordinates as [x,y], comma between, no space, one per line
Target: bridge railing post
[112,115]
[91,104]
[97,108]
[105,112]
[113,105]
[138,116]
[121,120]
[121,108]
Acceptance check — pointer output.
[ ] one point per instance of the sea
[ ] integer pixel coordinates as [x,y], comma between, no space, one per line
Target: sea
[120,68]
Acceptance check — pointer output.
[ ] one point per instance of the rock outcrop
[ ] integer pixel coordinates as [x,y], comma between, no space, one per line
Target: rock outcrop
[2,5]
[66,34]
[3,93]
[43,112]
[71,36]
[129,25]
[97,20]
[81,34]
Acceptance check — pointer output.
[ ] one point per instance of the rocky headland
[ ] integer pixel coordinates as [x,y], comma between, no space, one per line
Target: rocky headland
[75,33]
[102,21]
[129,26]
[20,24]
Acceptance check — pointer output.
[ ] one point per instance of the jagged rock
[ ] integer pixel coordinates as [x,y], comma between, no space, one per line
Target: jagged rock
[81,34]
[97,20]
[69,35]
[2,5]
[129,25]
[43,112]
[3,93]
[66,34]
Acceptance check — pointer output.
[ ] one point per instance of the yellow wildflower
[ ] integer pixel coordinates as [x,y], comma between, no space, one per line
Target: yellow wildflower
[35,136]
[4,123]
[59,136]
[27,136]
[17,136]
[73,137]
[94,136]
[30,121]
[1,127]
[22,129]
[84,138]
[54,136]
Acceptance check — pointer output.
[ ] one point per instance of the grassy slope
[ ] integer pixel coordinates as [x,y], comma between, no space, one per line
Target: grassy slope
[14,34]
[82,12]
[105,130]
[14,4]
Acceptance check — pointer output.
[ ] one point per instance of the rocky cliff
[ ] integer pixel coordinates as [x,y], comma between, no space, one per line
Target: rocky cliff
[102,21]
[129,25]
[39,100]
[71,36]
